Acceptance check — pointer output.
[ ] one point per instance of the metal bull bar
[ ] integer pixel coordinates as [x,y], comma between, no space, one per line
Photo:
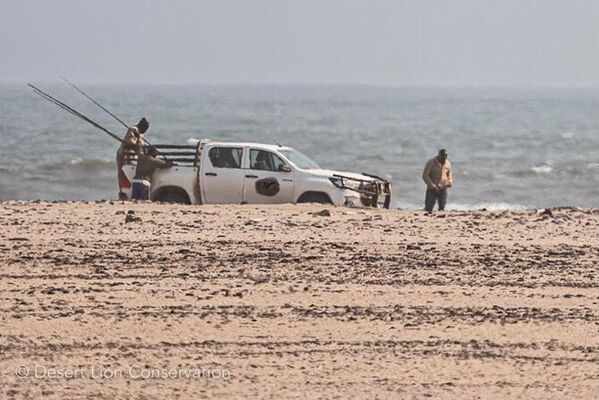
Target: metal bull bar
[370,191]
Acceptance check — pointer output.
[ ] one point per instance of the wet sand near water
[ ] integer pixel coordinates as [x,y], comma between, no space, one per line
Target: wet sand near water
[296,301]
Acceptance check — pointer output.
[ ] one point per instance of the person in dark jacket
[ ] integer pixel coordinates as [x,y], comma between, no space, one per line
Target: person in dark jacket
[146,165]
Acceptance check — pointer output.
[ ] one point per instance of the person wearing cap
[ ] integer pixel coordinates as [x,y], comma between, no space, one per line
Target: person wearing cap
[146,165]
[132,142]
[437,176]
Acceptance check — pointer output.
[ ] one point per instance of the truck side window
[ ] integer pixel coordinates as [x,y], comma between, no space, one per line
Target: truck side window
[260,160]
[277,162]
[265,160]
[225,157]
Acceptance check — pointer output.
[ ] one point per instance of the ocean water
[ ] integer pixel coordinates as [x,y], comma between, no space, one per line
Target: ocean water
[510,148]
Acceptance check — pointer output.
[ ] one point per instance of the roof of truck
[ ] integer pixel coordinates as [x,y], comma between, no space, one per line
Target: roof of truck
[248,144]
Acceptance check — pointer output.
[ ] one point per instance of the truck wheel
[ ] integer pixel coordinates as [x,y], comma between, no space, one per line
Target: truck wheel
[174,195]
[314,197]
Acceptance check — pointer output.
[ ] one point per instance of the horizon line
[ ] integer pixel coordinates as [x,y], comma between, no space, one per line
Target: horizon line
[307,84]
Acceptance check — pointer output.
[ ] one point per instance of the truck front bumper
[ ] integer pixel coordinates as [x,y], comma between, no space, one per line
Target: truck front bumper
[374,192]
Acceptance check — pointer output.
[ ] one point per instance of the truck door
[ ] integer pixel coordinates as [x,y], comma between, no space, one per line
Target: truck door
[222,176]
[268,179]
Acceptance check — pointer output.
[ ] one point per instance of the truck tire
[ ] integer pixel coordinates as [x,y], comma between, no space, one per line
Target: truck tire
[172,195]
[314,197]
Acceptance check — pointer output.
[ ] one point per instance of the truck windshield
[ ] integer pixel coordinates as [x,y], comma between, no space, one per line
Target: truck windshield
[298,159]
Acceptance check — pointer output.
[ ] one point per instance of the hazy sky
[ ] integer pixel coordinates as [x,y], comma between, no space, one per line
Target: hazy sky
[416,42]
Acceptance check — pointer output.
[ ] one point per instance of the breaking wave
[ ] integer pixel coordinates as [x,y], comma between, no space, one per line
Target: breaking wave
[542,169]
[489,206]
[486,206]
[82,164]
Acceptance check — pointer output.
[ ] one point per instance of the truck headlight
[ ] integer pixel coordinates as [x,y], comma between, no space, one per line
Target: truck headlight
[337,182]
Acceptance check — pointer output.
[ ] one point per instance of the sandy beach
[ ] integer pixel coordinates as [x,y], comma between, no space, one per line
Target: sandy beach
[296,301]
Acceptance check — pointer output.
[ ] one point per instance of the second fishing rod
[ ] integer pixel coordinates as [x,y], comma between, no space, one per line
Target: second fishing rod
[107,111]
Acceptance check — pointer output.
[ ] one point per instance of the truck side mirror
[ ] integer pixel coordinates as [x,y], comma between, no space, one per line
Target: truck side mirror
[284,168]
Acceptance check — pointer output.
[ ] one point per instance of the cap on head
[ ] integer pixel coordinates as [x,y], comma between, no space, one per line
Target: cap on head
[143,125]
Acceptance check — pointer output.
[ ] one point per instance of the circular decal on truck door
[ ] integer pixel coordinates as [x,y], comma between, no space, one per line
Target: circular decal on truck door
[267,186]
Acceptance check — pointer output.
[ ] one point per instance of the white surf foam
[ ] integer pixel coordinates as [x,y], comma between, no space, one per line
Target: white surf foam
[490,206]
[487,206]
[542,169]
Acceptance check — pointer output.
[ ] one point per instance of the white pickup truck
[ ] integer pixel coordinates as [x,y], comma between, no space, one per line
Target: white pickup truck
[252,173]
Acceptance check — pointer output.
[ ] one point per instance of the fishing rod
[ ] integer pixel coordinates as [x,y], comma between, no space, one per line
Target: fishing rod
[107,111]
[94,101]
[71,110]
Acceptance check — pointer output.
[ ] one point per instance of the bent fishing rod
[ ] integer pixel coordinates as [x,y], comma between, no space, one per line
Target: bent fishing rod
[106,110]
[71,110]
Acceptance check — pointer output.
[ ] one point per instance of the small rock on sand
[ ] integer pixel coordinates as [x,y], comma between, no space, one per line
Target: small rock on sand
[323,213]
